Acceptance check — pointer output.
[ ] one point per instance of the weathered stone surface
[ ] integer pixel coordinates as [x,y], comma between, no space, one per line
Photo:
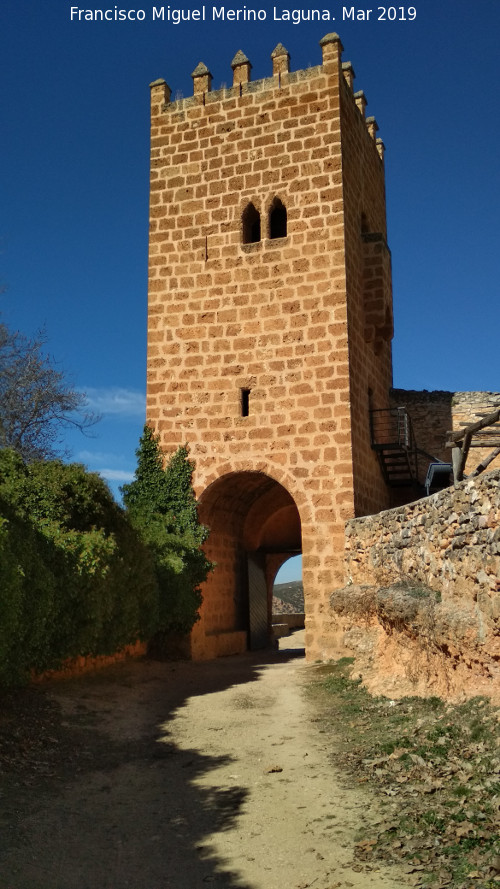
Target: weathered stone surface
[421,612]
[441,541]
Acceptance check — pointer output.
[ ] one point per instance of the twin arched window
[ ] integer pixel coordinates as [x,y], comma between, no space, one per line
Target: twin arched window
[277,222]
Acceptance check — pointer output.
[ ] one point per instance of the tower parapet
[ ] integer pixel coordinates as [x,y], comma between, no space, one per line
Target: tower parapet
[361,102]
[349,74]
[281,60]
[331,47]
[241,69]
[202,80]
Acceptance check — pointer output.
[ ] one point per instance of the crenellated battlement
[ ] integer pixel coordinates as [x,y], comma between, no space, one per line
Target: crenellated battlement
[281,77]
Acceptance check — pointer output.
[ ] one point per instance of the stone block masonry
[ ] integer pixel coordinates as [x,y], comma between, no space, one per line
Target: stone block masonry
[269,324]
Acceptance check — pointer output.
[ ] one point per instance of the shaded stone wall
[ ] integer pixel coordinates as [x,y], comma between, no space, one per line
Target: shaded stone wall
[369,289]
[431,416]
[436,413]
[86,664]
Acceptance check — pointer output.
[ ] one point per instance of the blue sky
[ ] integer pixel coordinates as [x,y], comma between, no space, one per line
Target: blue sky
[74,184]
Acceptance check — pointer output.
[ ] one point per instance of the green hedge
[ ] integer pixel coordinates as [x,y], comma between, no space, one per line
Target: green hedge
[75,576]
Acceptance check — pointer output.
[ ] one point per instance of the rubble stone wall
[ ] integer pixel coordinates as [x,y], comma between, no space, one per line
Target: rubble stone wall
[449,541]
[421,607]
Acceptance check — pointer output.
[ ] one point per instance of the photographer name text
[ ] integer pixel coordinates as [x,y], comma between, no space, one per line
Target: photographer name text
[175,16]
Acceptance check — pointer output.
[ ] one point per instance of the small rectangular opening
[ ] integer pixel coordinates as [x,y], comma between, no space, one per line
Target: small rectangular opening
[245,402]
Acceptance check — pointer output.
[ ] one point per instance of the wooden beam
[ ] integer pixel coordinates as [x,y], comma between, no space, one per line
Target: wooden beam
[488,420]
[465,447]
[492,443]
[458,464]
[486,462]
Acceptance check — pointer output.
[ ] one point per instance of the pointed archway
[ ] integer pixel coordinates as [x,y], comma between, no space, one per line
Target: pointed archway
[254,527]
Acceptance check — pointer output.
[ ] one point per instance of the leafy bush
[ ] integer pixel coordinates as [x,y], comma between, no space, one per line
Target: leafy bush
[76,577]
[162,506]
[28,597]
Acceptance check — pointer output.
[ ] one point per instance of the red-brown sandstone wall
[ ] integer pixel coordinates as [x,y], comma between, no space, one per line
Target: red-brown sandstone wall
[272,317]
[369,293]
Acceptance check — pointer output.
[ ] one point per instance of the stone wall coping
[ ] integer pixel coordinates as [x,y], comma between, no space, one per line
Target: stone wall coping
[441,394]
[484,480]
[279,50]
[240,59]
[200,70]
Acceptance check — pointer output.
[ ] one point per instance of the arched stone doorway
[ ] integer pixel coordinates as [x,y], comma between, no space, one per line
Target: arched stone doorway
[254,527]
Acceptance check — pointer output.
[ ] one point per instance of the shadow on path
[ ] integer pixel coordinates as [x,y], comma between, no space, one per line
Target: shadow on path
[96,795]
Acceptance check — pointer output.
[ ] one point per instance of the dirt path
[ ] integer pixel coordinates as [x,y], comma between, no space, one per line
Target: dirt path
[178,776]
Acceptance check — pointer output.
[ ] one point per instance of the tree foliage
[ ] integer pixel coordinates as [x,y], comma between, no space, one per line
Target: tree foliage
[36,401]
[75,576]
[81,576]
[162,506]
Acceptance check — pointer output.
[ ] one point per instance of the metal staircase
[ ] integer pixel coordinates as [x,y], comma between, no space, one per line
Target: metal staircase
[393,440]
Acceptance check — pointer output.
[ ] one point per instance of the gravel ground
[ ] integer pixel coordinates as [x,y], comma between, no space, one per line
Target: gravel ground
[177,775]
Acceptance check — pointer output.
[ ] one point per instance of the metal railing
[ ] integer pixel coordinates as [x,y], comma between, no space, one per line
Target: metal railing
[392,433]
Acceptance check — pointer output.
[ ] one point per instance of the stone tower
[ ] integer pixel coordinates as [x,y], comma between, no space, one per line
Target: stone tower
[270,324]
